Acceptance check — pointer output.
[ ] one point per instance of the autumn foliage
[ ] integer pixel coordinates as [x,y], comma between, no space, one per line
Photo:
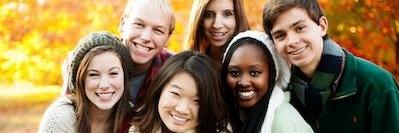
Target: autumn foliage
[37,35]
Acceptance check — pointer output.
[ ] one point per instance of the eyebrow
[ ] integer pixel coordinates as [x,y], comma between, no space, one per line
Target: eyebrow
[176,86]
[108,69]
[114,68]
[292,25]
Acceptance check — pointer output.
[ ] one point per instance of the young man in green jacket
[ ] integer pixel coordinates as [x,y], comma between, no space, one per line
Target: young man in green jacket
[333,90]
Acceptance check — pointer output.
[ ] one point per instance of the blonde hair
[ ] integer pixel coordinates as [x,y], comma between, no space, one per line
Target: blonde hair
[164,5]
[194,37]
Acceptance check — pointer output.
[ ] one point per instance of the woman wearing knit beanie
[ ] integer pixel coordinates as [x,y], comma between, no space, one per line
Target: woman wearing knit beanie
[255,76]
[97,99]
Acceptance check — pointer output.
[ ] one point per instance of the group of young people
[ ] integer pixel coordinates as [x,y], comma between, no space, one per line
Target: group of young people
[291,77]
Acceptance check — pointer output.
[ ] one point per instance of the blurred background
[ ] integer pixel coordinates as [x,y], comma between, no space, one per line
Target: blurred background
[36,36]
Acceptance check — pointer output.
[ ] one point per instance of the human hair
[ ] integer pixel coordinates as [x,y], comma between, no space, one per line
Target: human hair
[194,37]
[81,101]
[212,116]
[164,5]
[274,8]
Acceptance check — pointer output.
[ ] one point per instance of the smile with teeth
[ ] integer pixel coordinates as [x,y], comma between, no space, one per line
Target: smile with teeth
[105,95]
[218,35]
[142,48]
[178,119]
[299,51]
[246,94]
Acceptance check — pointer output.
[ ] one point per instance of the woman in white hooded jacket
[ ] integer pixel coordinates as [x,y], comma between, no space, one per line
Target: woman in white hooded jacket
[255,76]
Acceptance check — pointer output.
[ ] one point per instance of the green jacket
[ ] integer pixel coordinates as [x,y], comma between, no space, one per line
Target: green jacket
[367,101]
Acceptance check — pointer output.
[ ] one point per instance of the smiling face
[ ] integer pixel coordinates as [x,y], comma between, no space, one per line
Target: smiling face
[299,39]
[104,80]
[219,21]
[178,104]
[248,75]
[146,32]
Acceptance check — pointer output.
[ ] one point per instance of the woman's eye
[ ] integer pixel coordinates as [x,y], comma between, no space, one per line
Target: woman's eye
[175,94]
[93,74]
[208,14]
[234,73]
[254,73]
[114,73]
[228,13]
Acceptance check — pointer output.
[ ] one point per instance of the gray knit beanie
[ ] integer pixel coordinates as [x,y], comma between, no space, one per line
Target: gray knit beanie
[87,43]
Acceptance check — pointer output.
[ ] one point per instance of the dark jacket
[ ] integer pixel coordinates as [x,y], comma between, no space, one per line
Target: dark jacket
[366,101]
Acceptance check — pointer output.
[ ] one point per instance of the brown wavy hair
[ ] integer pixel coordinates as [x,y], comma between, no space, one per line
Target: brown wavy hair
[194,36]
[118,117]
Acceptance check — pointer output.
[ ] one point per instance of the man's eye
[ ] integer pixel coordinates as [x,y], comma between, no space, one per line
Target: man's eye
[279,36]
[300,28]
[138,25]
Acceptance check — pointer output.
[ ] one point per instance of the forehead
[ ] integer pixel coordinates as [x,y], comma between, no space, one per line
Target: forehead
[106,59]
[248,54]
[220,5]
[184,83]
[149,12]
[289,17]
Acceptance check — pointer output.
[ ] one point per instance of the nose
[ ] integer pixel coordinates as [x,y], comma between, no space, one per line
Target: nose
[183,107]
[243,81]
[218,22]
[145,35]
[292,39]
[104,83]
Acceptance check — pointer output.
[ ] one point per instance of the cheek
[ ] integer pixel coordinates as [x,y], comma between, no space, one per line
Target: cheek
[262,83]
[195,110]
[118,82]
[165,101]
[231,23]
[279,47]
[161,40]
[231,82]
[207,24]
[90,84]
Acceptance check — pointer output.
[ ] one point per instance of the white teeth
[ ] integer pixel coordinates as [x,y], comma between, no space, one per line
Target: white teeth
[246,94]
[298,51]
[105,95]
[179,119]
[142,48]
[218,34]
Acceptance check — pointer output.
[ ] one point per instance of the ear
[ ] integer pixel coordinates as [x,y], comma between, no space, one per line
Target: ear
[121,24]
[323,23]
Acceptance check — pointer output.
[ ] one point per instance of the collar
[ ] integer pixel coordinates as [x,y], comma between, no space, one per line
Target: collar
[348,84]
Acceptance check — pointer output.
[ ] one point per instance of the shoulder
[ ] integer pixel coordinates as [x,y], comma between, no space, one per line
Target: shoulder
[286,114]
[166,53]
[371,75]
[58,117]
[374,82]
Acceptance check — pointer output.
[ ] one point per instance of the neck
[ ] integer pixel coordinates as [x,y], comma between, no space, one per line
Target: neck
[309,70]
[216,53]
[141,68]
[100,120]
